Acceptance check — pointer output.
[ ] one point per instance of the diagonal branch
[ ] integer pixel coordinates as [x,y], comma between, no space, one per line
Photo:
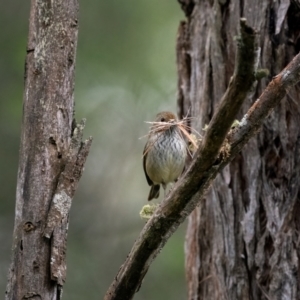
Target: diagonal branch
[207,163]
[263,106]
[181,201]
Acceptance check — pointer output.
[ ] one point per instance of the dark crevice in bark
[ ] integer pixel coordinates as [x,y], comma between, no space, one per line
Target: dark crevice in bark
[187,6]
[293,24]
[249,271]
[184,67]
[210,91]
[242,8]
[262,218]
[272,21]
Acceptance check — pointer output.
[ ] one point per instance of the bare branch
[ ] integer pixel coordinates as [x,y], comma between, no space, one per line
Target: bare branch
[192,186]
[263,106]
[189,191]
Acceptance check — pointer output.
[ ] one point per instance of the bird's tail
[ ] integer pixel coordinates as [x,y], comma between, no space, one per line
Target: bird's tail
[154,192]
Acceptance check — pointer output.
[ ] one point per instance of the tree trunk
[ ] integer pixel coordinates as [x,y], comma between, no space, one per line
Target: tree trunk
[51,154]
[242,241]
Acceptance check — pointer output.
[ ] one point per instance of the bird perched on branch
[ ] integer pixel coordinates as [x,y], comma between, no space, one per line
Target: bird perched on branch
[164,153]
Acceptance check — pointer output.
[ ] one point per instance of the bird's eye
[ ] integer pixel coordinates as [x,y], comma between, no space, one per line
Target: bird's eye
[162,120]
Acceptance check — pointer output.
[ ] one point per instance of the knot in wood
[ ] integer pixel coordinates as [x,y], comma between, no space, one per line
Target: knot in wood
[28,226]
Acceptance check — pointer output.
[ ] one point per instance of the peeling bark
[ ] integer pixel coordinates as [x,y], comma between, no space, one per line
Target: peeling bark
[242,241]
[52,154]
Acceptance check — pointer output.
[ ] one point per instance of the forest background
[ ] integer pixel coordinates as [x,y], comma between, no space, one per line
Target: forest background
[125,74]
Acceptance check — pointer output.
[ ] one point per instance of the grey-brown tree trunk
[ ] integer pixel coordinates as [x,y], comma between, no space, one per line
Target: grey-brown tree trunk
[243,240]
[51,154]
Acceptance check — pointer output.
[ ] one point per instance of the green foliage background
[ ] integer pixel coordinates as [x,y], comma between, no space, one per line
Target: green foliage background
[125,74]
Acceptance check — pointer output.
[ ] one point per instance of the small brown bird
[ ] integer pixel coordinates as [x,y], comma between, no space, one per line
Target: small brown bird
[164,153]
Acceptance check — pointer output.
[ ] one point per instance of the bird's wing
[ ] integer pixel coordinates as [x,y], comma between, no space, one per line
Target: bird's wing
[150,182]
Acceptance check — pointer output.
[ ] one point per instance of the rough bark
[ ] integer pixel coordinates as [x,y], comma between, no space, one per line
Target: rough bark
[242,241]
[52,154]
